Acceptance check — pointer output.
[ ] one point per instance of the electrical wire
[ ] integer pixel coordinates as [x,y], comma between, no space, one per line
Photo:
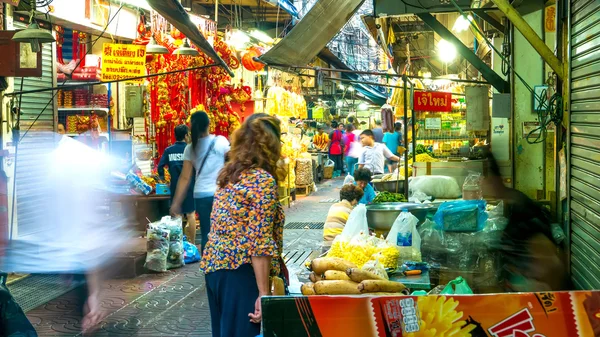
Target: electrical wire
[548,112]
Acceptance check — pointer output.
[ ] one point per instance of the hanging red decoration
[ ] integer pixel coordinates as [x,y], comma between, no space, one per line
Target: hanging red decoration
[248,59]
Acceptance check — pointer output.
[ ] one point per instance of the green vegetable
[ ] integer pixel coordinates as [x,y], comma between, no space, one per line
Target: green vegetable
[389,197]
[420,149]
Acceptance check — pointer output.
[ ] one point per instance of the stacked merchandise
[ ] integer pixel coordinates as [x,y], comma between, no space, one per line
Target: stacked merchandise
[99,100]
[67,99]
[81,97]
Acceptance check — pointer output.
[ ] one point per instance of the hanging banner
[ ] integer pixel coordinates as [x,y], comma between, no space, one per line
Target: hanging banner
[432,101]
[121,61]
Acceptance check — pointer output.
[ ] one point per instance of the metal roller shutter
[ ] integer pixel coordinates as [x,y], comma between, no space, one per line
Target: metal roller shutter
[39,140]
[585,144]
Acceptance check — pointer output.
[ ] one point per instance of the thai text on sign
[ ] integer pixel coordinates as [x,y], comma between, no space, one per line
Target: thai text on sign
[432,101]
[122,61]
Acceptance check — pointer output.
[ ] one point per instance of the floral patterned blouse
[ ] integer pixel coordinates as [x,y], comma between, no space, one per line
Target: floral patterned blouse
[247,220]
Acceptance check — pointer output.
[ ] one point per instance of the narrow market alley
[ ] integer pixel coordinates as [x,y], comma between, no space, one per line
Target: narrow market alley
[173,303]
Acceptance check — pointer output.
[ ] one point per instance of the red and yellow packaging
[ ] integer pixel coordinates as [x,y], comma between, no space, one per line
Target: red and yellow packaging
[564,314]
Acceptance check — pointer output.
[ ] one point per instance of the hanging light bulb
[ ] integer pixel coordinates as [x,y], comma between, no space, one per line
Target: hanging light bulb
[351,89]
[153,48]
[341,86]
[462,24]
[33,35]
[186,50]
[447,51]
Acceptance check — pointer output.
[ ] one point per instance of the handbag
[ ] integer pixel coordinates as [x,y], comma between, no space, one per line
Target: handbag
[210,148]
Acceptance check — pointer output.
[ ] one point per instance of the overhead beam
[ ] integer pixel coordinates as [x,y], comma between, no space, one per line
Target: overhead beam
[531,37]
[488,73]
[491,20]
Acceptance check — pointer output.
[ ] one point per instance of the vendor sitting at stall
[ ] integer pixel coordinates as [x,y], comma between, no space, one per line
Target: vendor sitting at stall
[339,213]
[321,139]
[362,177]
[374,154]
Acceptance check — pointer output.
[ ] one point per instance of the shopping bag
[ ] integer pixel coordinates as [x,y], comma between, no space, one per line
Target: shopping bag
[457,287]
[404,234]
[357,222]
[175,258]
[349,180]
[191,253]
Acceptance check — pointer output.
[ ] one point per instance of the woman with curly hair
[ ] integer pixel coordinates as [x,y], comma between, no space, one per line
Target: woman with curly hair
[246,240]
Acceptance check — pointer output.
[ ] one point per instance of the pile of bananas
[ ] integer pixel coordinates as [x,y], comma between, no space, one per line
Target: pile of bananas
[364,248]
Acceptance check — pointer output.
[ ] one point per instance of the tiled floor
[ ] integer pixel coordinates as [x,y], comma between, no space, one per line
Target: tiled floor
[175,303]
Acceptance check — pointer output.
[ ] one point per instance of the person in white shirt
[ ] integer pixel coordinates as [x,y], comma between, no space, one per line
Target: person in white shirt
[374,154]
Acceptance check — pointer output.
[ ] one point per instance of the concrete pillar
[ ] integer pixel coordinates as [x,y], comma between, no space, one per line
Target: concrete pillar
[529,159]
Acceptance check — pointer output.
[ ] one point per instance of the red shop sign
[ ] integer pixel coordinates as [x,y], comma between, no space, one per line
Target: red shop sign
[432,101]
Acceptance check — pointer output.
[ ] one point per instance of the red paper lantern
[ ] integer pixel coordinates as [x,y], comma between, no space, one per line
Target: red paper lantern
[248,60]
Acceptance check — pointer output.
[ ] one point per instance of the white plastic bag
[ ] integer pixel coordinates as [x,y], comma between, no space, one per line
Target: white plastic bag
[349,180]
[404,234]
[357,222]
[440,187]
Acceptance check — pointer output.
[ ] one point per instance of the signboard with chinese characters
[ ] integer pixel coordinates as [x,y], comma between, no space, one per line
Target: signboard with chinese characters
[121,61]
[548,314]
[432,101]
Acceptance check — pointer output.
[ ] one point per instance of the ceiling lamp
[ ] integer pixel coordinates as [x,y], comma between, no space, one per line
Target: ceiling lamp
[153,48]
[363,106]
[341,86]
[351,89]
[33,35]
[186,50]
[462,23]
[447,51]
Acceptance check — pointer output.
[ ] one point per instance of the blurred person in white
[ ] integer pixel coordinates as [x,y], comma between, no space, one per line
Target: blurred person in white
[73,231]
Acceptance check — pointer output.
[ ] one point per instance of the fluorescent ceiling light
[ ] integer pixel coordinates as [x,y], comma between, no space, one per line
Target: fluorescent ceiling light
[262,36]
[239,39]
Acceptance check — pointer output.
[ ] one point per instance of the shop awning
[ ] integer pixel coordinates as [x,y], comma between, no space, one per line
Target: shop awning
[178,17]
[368,91]
[312,33]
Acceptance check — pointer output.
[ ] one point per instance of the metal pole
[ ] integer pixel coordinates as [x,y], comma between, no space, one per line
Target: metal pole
[530,35]
[217,14]
[405,79]
[85,84]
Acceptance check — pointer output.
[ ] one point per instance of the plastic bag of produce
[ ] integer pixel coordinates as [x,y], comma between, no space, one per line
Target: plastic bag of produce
[157,247]
[175,258]
[405,235]
[349,180]
[357,222]
[376,267]
[191,253]
[304,172]
[440,187]
[461,216]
